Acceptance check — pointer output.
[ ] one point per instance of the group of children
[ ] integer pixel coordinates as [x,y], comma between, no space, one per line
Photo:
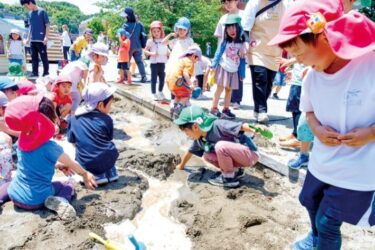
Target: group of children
[333,55]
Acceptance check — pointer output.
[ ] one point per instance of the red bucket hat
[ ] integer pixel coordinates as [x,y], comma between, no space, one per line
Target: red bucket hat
[158,25]
[350,35]
[25,87]
[22,115]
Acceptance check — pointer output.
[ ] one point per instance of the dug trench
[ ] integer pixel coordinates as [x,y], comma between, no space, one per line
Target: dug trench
[264,213]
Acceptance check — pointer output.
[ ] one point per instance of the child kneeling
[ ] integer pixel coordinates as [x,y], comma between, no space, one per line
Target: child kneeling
[222,143]
[91,130]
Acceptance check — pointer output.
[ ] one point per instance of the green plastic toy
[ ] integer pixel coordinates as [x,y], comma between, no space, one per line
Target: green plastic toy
[266,133]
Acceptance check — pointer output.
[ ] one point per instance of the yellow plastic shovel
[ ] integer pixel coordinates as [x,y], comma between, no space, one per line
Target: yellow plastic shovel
[109,245]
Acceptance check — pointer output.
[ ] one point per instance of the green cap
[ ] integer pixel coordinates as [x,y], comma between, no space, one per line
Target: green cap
[15,69]
[195,114]
[232,19]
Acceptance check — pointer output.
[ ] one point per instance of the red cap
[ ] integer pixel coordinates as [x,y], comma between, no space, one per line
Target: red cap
[22,115]
[26,87]
[349,35]
[61,79]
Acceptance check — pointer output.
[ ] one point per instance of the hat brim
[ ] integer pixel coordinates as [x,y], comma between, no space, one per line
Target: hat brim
[43,130]
[206,126]
[181,27]
[281,38]
[89,107]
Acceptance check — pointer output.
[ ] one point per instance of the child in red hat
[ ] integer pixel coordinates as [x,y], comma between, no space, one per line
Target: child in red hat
[338,98]
[32,187]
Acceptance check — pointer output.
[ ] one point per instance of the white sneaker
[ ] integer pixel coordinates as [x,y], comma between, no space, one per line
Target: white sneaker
[161,96]
[255,115]
[263,118]
[61,206]
[236,106]
[156,97]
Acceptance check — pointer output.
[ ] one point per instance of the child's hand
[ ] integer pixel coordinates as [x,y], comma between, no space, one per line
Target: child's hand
[357,137]
[173,34]
[327,135]
[89,180]
[66,171]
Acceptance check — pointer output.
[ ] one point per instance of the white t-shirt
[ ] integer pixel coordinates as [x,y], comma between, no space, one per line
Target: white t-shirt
[66,41]
[155,45]
[16,49]
[201,65]
[344,101]
[220,27]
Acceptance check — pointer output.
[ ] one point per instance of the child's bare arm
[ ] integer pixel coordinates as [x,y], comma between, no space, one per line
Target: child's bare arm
[187,78]
[246,128]
[187,156]
[325,134]
[165,41]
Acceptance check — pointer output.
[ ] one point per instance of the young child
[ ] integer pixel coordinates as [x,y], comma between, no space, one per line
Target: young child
[25,87]
[98,55]
[229,66]
[201,71]
[61,98]
[91,130]
[181,42]
[158,53]
[220,142]
[15,47]
[77,71]
[179,80]
[123,57]
[338,98]
[79,45]
[280,78]
[8,87]
[6,162]
[32,187]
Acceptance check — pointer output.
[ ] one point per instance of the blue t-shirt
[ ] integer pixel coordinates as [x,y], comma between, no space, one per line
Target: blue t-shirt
[92,134]
[33,181]
[38,20]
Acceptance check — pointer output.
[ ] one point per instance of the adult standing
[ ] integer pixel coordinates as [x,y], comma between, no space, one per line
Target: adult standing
[261,19]
[137,39]
[38,36]
[66,41]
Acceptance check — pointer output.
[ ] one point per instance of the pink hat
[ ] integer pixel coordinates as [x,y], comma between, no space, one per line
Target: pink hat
[158,25]
[350,35]
[61,79]
[22,115]
[25,87]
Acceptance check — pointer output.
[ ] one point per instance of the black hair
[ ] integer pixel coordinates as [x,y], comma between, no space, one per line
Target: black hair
[19,37]
[47,108]
[22,2]
[188,125]
[307,38]
[107,100]
[240,36]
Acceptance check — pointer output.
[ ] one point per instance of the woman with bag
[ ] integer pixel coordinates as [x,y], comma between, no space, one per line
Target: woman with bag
[138,39]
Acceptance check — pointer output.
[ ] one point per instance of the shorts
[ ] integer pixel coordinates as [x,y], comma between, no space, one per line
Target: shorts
[123,65]
[304,133]
[279,79]
[292,104]
[179,88]
[345,205]
[19,61]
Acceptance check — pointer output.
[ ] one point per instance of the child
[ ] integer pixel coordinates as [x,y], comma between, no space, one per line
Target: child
[32,187]
[280,78]
[25,87]
[79,45]
[229,67]
[38,36]
[123,57]
[61,98]
[201,71]
[220,142]
[6,162]
[44,86]
[338,98]
[181,42]
[8,87]
[158,53]
[91,130]
[179,80]
[77,71]
[98,55]
[15,47]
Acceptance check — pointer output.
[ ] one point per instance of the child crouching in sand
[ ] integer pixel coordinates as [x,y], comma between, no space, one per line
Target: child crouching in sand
[222,143]
[32,187]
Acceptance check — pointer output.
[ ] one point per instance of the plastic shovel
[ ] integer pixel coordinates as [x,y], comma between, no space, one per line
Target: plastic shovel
[109,245]
[266,133]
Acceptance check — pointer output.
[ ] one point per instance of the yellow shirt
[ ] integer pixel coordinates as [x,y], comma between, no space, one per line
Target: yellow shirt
[80,44]
[185,65]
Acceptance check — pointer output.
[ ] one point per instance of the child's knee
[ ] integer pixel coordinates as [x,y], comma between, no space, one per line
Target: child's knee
[327,225]
[221,146]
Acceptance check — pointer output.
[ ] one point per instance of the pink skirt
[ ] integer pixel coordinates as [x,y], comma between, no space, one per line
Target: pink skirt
[226,79]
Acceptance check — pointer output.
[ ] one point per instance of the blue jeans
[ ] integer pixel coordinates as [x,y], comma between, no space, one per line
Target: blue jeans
[137,54]
[73,56]
[327,229]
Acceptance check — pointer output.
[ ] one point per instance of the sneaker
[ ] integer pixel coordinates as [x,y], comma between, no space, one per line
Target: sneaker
[101,179]
[215,112]
[275,96]
[236,106]
[161,96]
[227,114]
[310,242]
[239,174]
[263,118]
[112,174]
[221,181]
[156,97]
[302,160]
[61,206]
[255,115]
[143,79]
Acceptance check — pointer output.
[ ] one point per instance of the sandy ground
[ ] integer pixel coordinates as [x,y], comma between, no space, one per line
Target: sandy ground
[264,213]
